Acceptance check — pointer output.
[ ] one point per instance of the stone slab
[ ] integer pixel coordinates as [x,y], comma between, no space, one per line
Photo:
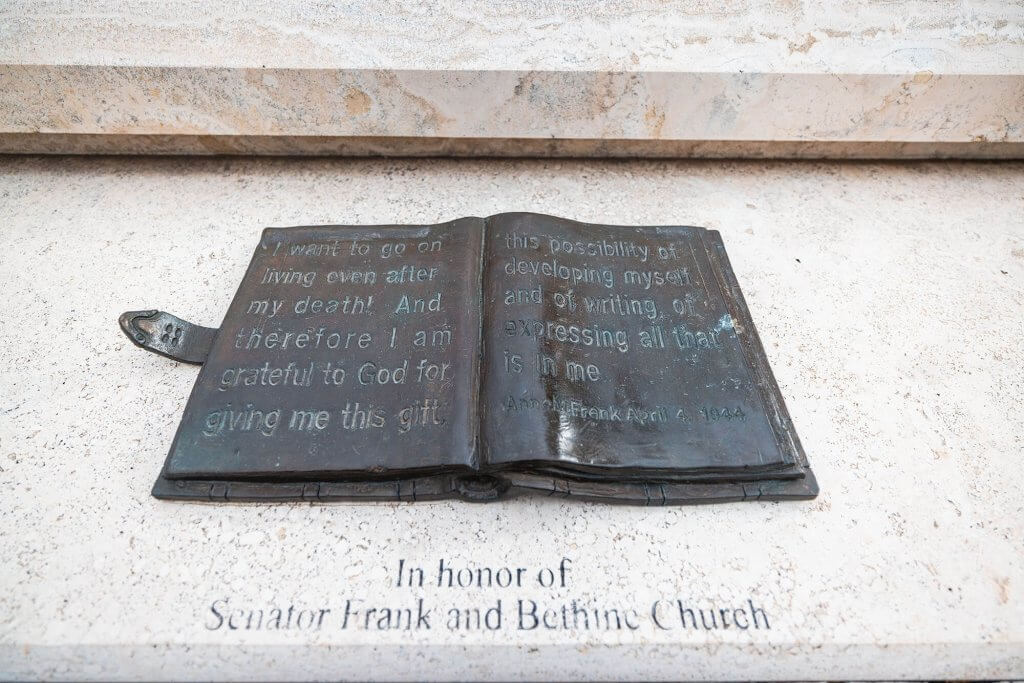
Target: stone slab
[482,78]
[728,37]
[889,301]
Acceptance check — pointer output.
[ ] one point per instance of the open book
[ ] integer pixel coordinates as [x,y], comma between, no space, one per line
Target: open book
[480,357]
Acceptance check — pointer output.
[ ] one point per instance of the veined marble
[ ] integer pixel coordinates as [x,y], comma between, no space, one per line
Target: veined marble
[681,81]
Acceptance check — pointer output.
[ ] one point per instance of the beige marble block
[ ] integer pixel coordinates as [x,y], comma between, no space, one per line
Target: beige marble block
[889,300]
[857,79]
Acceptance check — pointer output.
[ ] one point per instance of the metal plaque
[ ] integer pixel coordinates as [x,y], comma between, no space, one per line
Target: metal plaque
[478,358]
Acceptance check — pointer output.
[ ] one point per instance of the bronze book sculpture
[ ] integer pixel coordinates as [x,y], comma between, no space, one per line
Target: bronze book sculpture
[478,358]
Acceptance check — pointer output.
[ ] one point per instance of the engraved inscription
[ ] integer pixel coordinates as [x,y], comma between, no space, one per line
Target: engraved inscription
[515,598]
[606,346]
[343,341]
[482,354]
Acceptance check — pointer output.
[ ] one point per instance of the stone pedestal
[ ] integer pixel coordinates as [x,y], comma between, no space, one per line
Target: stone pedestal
[887,297]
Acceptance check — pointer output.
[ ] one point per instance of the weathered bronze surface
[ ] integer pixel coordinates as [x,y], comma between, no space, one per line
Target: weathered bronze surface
[479,358]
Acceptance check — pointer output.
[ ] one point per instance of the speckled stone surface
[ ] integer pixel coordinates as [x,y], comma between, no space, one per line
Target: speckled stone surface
[889,299]
[497,78]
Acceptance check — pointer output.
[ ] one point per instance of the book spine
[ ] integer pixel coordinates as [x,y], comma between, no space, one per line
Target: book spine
[478,415]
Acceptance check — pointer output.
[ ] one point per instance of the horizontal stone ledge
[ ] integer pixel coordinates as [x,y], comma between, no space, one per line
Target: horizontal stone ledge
[539,660]
[323,146]
[225,110]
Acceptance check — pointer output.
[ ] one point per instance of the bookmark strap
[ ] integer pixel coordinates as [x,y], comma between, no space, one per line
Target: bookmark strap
[168,335]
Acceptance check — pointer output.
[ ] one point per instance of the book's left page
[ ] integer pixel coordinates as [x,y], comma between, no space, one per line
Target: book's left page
[348,352]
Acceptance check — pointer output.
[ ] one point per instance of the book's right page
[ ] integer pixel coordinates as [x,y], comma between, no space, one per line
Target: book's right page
[623,349]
